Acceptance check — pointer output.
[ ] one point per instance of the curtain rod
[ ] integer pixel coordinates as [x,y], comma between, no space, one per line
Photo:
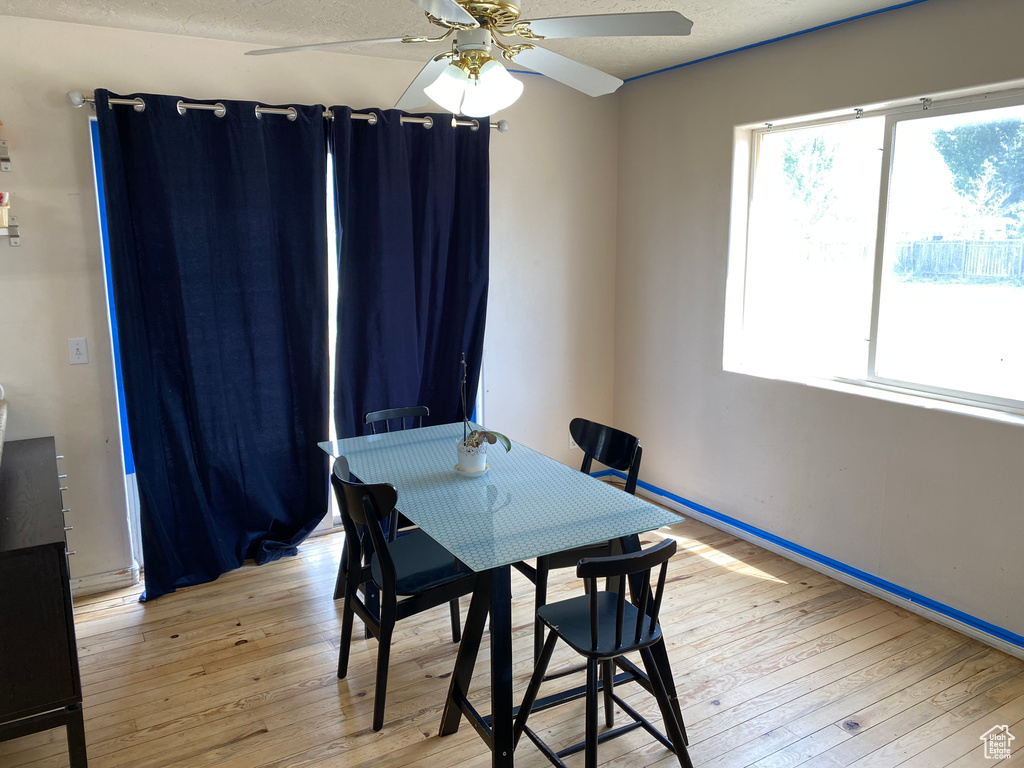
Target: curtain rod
[77,100]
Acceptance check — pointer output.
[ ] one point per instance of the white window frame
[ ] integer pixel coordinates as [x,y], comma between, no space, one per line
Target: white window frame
[746,150]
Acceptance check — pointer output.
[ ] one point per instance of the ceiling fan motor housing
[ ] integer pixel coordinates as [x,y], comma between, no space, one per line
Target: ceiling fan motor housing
[474,40]
[496,12]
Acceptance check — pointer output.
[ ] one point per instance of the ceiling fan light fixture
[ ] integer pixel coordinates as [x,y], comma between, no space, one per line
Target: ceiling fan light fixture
[475,85]
[449,89]
[491,91]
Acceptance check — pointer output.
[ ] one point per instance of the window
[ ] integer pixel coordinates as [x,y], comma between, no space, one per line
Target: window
[886,249]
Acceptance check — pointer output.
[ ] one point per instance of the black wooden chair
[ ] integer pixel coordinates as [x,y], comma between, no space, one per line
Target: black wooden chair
[414,413]
[410,417]
[413,567]
[602,627]
[613,448]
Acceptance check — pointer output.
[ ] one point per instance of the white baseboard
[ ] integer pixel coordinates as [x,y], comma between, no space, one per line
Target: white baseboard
[105,582]
[845,578]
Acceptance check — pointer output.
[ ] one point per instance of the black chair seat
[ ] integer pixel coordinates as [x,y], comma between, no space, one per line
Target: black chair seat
[571,620]
[420,564]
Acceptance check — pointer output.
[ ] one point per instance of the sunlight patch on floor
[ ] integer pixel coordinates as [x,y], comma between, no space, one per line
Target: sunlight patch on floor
[713,555]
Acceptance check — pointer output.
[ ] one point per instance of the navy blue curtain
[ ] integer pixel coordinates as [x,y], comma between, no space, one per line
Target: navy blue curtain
[412,207]
[218,251]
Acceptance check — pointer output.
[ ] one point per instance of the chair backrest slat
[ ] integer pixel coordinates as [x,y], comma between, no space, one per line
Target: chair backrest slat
[659,594]
[641,606]
[620,612]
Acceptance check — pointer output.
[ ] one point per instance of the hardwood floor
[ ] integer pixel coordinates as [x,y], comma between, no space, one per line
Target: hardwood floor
[776,665]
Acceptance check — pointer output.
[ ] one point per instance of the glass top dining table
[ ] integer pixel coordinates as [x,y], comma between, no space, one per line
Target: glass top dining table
[526,505]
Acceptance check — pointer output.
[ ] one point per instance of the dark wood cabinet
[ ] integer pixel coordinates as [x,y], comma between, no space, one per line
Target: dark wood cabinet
[39,681]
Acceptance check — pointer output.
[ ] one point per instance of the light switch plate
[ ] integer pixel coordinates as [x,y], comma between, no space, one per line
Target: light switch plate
[78,351]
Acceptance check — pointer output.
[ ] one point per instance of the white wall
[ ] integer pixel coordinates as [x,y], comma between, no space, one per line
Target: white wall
[929,500]
[51,288]
[550,324]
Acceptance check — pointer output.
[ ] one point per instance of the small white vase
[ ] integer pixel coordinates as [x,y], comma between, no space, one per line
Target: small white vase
[471,459]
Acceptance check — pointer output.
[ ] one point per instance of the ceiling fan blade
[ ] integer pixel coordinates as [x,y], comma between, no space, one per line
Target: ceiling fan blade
[414,97]
[592,82]
[654,23]
[447,10]
[318,46]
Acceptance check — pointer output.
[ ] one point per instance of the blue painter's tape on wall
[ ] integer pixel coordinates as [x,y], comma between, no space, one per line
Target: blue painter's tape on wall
[894,589]
[126,443]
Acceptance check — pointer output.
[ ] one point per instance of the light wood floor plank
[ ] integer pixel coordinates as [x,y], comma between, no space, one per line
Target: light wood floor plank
[975,756]
[753,707]
[958,742]
[776,665]
[750,721]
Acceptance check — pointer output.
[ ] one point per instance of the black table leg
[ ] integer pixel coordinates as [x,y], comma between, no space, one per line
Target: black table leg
[492,595]
[501,668]
[659,652]
[472,634]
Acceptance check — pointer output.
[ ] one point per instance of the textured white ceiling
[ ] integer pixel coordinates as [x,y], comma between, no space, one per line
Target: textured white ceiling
[718,25]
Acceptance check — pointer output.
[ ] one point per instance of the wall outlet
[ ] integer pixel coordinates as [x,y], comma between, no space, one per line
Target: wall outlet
[572,443]
[78,351]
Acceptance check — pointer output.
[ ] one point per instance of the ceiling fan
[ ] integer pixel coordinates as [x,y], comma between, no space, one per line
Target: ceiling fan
[469,79]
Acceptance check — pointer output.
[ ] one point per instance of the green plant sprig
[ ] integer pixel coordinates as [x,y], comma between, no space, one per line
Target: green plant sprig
[478,437]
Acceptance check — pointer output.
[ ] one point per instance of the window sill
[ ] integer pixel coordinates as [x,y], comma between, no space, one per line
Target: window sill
[898,395]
